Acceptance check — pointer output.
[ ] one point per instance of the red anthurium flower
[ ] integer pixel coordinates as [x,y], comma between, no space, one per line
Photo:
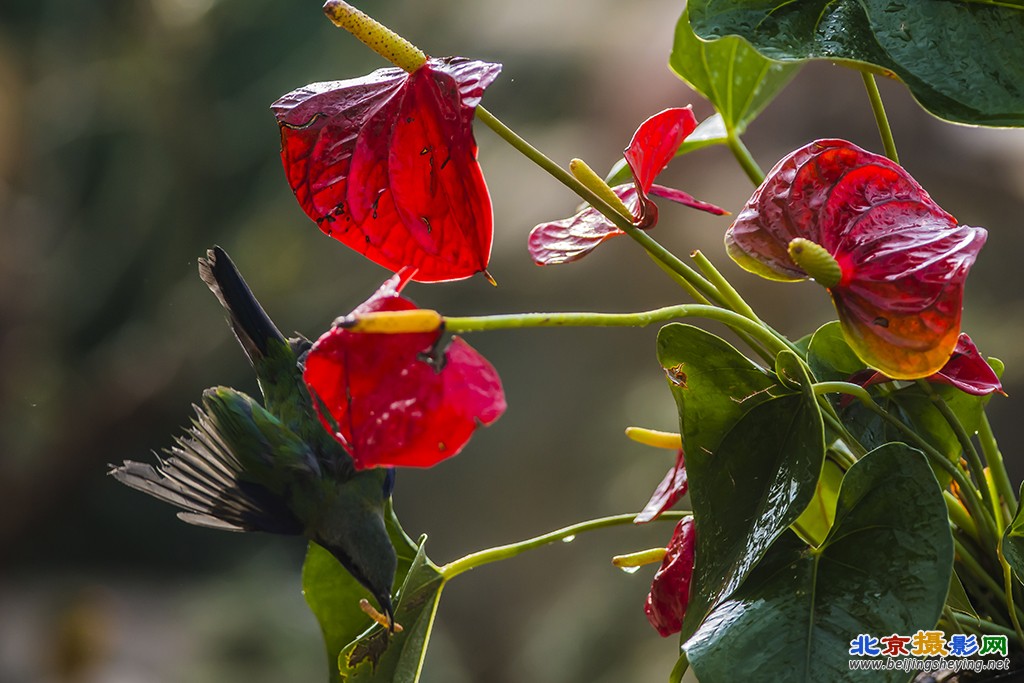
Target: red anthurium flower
[966,370]
[653,146]
[394,399]
[387,165]
[670,590]
[669,491]
[898,261]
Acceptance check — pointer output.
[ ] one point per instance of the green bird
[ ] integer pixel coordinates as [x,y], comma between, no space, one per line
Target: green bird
[243,466]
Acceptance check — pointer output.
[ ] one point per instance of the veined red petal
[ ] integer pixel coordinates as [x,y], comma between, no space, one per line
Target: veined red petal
[669,491]
[572,238]
[966,370]
[656,142]
[903,259]
[385,399]
[417,196]
[670,591]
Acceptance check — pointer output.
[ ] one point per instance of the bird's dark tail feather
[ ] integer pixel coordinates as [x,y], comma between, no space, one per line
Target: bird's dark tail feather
[251,324]
[201,477]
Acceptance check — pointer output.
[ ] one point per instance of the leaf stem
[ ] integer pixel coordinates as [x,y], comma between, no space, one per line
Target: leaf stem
[504,552]
[878,109]
[639,319]
[744,157]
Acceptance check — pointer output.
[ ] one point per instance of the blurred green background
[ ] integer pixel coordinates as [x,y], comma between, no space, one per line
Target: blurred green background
[134,134]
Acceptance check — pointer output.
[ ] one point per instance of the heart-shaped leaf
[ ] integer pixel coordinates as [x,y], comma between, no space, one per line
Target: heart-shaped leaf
[379,657]
[729,73]
[333,594]
[387,165]
[962,60]
[884,568]
[753,459]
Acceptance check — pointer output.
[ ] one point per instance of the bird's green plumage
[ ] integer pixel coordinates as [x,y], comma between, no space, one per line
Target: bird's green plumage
[271,467]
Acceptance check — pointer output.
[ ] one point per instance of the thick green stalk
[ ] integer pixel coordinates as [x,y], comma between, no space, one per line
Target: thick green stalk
[878,109]
[504,552]
[640,319]
[994,458]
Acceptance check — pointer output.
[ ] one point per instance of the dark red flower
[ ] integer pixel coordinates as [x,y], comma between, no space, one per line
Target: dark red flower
[652,147]
[387,165]
[396,399]
[966,370]
[670,590]
[902,260]
[669,491]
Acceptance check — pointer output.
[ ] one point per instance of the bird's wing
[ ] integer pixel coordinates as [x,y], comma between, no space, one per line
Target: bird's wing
[231,470]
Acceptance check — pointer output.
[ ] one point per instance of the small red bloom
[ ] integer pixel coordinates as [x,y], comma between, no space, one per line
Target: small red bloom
[670,590]
[902,260]
[669,491]
[966,370]
[652,147]
[395,399]
[387,165]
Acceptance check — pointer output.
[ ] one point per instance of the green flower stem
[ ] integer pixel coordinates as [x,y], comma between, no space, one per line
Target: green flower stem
[974,463]
[975,505]
[878,109]
[504,552]
[744,157]
[959,515]
[621,222]
[640,319]
[994,458]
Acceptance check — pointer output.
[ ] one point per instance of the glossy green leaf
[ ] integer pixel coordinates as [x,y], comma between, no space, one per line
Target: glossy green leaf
[379,657]
[963,60]
[710,131]
[713,385]
[753,457]
[830,356]
[816,520]
[333,595]
[957,599]
[729,73]
[884,568]
[1012,544]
